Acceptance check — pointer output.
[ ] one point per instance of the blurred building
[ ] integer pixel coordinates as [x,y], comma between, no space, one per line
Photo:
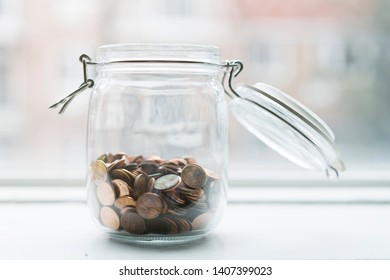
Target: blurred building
[324,52]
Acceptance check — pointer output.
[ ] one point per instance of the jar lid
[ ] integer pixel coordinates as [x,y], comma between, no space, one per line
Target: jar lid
[287,126]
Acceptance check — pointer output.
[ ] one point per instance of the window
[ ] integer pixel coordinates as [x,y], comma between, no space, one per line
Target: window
[3,76]
[178,8]
[335,62]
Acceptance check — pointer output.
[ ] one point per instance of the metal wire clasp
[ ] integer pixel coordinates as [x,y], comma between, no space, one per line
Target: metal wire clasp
[87,83]
[233,68]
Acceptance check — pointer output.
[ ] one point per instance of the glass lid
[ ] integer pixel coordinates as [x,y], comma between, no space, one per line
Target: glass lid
[287,126]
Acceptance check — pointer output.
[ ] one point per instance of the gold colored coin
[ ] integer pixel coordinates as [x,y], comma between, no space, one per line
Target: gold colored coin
[105,193]
[109,218]
[194,176]
[103,157]
[149,205]
[99,171]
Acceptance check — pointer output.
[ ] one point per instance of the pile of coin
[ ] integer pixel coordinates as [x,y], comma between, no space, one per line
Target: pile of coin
[152,195]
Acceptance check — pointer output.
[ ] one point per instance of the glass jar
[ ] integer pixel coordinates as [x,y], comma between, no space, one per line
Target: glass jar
[157,138]
[157,142]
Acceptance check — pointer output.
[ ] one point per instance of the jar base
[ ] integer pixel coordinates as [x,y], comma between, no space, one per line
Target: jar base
[156,239]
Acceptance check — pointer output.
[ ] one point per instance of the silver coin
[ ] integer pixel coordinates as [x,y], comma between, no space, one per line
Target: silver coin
[167,182]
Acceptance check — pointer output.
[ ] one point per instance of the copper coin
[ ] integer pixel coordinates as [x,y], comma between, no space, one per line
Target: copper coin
[120,155]
[148,167]
[155,159]
[105,193]
[99,171]
[170,164]
[110,158]
[123,175]
[165,206]
[131,174]
[124,201]
[121,187]
[156,175]
[185,224]
[184,189]
[151,184]
[137,172]
[200,205]
[131,166]
[138,159]
[190,160]
[140,185]
[173,226]
[167,170]
[118,163]
[174,198]
[109,218]
[159,225]
[149,205]
[127,208]
[182,224]
[132,222]
[196,194]
[180,162]
[201,221]
[167,182]
[194,176]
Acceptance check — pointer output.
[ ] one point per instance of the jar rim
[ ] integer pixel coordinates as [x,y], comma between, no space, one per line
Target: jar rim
[161,52]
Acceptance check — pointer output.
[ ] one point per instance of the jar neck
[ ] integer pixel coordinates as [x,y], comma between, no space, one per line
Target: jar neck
[159,52]
[163,68]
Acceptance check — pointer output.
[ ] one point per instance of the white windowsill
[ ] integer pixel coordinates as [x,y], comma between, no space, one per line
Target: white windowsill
[271,222]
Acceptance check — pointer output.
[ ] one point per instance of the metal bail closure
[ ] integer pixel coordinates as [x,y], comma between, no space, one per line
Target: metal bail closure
[87,83]
[234,67]
[288,127]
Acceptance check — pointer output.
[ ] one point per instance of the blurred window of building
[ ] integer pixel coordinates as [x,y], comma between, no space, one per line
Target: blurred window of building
[3,75]
[178,8]
[333,56]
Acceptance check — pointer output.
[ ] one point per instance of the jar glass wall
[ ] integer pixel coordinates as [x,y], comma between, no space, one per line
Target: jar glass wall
[157,142]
